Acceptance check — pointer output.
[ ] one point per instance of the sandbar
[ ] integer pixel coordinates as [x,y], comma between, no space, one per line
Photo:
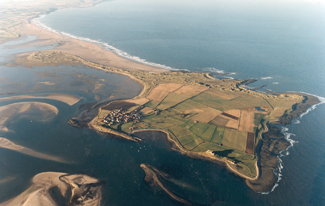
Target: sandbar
[55,188]
[94,54]
[7,144]
[66,98]
[45,112]
[153,179]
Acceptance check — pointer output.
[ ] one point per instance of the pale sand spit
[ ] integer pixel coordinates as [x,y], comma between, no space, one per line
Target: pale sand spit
[7,144]
[86,50]
[66,98]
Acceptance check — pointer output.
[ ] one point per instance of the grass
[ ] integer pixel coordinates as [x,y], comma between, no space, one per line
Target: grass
[188,105]
[208,133]
[191,120]
[220,121]
[180,132]
[210,100]
[218,135]
[187,138]
[235,139]
[193,144]
[257,118]
[240,101]
[152,104]
[171,100]
[227,96]
[103,113]
[125,127]
[199,128]
[206,115]
[208,146]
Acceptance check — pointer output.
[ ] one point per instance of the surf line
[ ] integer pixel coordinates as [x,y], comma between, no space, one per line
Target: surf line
[37,22]
[287,136]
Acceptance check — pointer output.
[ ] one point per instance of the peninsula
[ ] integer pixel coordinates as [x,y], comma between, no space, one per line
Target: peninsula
[218,120]
[203,117]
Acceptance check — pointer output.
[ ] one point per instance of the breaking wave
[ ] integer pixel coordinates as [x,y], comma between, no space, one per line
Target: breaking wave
[283,153]
[215,70]
[266,78]
[106,46]
[321,101]
[287,136]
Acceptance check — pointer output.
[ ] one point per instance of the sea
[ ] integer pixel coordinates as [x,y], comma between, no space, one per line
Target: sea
[281,44]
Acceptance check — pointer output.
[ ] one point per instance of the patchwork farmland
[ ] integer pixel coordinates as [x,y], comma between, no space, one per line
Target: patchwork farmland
[201,119]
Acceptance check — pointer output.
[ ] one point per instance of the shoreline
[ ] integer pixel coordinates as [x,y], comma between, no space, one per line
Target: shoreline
[93,53]
[86,50]
[174,145]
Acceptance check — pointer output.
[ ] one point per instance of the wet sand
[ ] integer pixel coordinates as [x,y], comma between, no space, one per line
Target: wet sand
[9,112]
[95,53]
[45,112]
[152,177]
[68,99]
[54,188]
[7,144]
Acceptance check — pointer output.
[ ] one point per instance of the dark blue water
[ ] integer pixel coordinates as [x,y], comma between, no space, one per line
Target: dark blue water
[282,44]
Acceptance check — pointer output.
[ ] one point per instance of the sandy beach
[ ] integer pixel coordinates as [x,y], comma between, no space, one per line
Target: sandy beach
[86,50]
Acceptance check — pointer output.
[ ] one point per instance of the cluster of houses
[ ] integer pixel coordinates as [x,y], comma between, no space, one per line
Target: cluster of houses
[120,116]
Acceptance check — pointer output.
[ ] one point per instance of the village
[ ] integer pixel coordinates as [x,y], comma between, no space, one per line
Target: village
[121,117]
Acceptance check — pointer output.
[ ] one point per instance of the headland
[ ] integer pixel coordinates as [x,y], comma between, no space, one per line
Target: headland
[203,117]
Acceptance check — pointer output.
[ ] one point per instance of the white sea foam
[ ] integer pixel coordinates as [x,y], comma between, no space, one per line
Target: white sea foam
[275,83]
[212,69]
[104,45]
[283,153]
[296,121]
[219,71]
[287,136]
[263,78]
[321,101]
[227,77]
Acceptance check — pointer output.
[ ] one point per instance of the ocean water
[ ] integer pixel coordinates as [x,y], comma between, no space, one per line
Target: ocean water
[279,43]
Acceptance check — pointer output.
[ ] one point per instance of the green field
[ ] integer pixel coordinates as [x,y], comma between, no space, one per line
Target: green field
[220,121]
[241,101]
[208,133]
[152,104]
[235,139]
[171,100]
[257,118]
[208,146]
[182,134]
[184,117]
[188,105]
[193,144]
[199,128]
[218,135]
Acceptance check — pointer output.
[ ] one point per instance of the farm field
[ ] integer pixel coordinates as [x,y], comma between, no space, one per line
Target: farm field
[201,119]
